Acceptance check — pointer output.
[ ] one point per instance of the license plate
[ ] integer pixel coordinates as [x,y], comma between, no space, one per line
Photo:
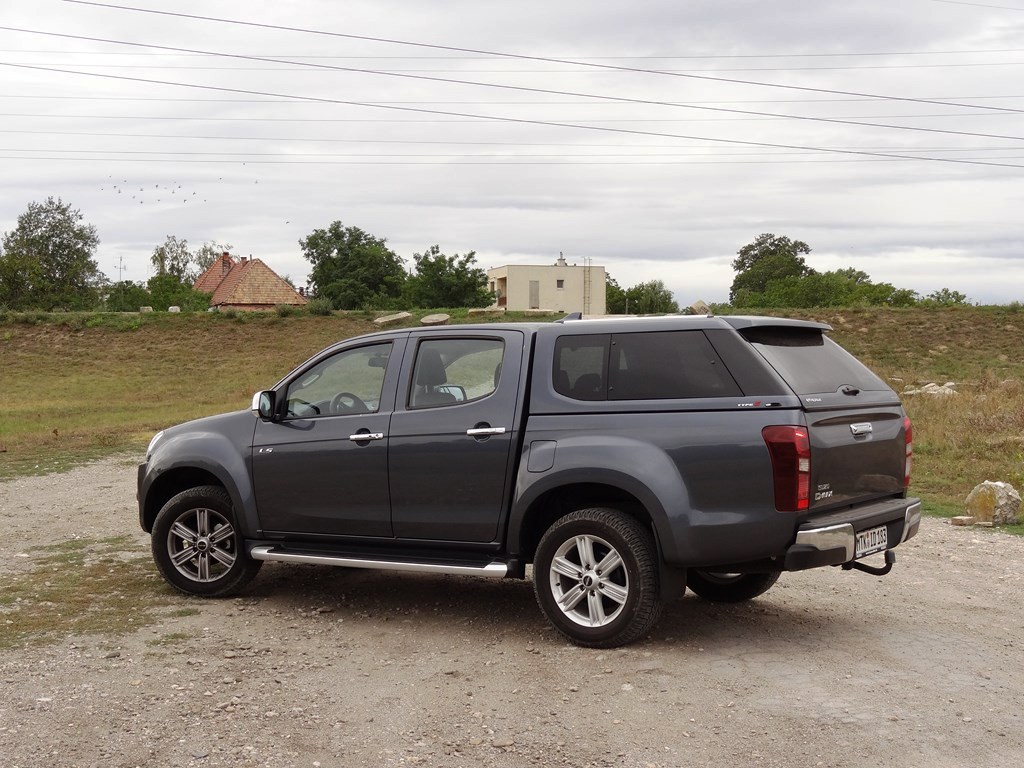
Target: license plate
[871,540]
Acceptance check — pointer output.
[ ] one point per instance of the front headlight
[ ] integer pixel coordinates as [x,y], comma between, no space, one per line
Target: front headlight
[152,444]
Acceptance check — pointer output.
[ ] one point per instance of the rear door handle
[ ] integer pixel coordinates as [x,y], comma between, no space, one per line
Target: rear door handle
[485,431]
[361,436]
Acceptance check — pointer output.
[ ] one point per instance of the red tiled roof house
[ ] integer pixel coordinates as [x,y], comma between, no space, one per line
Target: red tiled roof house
[246,284]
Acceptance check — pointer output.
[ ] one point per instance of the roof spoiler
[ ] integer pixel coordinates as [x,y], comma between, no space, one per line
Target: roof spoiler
[571,316]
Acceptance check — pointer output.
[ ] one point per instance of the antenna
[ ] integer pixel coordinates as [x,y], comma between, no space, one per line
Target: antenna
[120,267]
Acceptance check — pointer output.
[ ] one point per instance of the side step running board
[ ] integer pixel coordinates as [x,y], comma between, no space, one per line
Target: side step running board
[494,570]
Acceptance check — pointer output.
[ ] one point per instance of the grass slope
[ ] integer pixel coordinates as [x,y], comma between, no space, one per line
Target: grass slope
[73,387]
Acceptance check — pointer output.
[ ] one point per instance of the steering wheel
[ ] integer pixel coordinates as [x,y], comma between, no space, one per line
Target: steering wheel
[354,404]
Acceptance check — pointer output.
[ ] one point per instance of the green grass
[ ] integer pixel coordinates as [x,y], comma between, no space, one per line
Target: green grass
[81,587]
[79,386]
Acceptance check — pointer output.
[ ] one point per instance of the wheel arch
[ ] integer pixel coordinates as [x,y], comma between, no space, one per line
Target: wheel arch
[546,507]
[172,482]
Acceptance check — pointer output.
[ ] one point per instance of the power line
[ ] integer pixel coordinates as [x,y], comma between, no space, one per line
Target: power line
[523,57]
[980,5]
[487,102]
[596,120]
[622,99]
[296,65]
[332,140]
[848,54]
[519,120]
[651,156]
[64,158]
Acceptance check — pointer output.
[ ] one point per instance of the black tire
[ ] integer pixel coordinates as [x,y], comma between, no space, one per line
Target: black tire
[197,546]
[730,587]
[593,606]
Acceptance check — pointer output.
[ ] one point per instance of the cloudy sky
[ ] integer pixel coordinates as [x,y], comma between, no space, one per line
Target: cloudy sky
[655,141]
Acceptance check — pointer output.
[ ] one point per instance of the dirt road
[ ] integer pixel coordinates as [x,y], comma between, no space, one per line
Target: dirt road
[334,667]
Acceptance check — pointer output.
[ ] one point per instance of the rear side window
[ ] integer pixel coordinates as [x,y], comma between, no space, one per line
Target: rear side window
[641,366]
[810,362]
[581,366]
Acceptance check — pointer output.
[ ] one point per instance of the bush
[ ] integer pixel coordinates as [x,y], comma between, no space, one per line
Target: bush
[285,310]
[320,306]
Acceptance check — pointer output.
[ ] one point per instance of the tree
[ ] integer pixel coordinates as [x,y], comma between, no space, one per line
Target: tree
[767,258]
[447,281]
[650,298]
[944,297]
[352,268]
[208,253]
[126,296]
[174,258]
[47,261]
[614,297]
[168,291]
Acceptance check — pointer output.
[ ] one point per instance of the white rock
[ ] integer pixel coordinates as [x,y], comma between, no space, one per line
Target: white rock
[392,319]
[994,502]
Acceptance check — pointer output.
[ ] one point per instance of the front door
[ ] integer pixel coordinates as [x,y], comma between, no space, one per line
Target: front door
[535,294]
[452,434]
[322,468]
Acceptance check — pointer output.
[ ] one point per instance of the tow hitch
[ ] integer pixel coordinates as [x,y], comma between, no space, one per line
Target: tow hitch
[890,559]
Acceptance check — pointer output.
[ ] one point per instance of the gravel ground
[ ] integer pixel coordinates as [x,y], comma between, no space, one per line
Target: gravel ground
[318,666]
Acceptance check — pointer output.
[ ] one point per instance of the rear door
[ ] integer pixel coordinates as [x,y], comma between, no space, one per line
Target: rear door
[452,433]
[855,421]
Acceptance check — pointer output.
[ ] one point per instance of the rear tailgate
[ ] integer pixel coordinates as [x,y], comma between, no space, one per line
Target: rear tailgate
[855,421]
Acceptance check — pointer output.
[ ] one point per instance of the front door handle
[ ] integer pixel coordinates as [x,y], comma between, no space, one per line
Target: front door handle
[485,431]
[361,436]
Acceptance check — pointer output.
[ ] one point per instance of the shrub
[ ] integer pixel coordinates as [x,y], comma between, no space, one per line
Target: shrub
[320,306]
[285,310]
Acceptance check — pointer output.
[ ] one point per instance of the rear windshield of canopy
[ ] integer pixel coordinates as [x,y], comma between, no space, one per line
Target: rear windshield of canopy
[809,361]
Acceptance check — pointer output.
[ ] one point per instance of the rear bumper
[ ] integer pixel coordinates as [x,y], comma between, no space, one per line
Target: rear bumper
[831,539]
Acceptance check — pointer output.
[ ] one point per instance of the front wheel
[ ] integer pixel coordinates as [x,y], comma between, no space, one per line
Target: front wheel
[730,587]
[197,546]
[595,574]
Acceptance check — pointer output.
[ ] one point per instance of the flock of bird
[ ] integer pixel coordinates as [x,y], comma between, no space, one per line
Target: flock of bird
[173,192]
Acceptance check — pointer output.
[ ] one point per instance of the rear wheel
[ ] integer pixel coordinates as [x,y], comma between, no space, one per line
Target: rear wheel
[730,587]
[197,546]
[595,574]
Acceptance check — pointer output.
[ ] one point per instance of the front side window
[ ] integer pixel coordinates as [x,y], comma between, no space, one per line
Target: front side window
[346,383]
[450,371]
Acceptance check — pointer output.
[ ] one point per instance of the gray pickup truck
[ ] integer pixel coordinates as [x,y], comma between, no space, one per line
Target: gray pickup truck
[625,459]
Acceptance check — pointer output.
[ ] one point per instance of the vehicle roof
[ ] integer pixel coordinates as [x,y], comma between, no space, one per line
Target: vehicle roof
[610,324]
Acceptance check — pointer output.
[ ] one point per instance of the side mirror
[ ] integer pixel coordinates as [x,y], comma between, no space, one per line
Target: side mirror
[264,404]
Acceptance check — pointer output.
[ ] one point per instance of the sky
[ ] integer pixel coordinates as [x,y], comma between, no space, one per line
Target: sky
[654,139]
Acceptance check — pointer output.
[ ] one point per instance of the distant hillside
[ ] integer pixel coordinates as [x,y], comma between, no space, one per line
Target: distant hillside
[77,386]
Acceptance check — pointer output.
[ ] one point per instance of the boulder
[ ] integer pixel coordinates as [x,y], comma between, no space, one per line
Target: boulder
[392,319]
[174,309]
[933,389]
[699,307]
[438,319]
[145,309]
[994,502]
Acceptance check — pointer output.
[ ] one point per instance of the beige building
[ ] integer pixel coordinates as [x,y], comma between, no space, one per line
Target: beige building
[560,287]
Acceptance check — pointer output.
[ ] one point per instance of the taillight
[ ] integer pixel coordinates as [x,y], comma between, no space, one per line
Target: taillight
[791,466]
[908,436]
